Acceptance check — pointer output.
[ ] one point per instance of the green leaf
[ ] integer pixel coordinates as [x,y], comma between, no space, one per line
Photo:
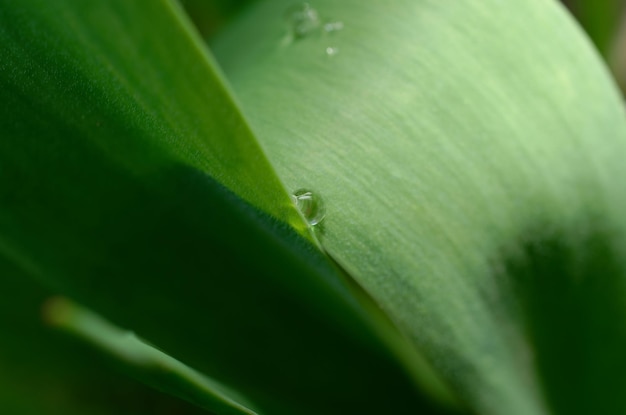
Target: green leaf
[118,139]
[471,155]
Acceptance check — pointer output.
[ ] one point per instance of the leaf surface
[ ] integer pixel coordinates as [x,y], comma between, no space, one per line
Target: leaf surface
[452,142]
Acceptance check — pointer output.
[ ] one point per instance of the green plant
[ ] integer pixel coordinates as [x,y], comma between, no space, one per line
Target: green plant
[470,156]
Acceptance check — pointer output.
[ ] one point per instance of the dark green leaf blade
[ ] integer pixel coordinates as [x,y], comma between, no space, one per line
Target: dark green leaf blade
[134,68]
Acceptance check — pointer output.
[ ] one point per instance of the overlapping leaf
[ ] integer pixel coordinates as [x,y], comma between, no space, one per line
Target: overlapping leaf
[471,156]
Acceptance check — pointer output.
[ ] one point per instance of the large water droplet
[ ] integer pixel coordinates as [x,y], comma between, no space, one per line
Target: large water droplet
[303,20]
[310,205]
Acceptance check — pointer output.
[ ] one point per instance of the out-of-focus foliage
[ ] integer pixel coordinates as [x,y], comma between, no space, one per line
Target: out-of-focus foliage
[605,24]
[210,15]
[599,18]
[44,371]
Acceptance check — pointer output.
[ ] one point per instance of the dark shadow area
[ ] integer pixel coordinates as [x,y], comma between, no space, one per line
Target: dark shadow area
[209,16]
[572,299]
[45,371]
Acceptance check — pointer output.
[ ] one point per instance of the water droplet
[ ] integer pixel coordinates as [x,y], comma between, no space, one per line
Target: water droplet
[331,27]
[332,50]
[303,20]
[310,205]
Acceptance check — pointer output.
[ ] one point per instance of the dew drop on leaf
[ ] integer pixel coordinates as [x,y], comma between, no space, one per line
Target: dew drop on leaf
[332,50]
[331,27]
[302,20]
[310,205]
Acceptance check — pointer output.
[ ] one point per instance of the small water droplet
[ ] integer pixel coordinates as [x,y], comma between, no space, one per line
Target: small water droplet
[303,20]
[331,27]
[310,205]
[332,50]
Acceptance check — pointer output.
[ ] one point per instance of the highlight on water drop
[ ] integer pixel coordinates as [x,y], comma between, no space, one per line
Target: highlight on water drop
[331,27]
[310,205]
[332,50]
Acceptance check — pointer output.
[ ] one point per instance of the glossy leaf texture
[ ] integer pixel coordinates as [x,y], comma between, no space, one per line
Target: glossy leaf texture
[471,155]
[121,150]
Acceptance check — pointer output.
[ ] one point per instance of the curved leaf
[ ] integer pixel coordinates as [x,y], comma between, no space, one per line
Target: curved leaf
[450,140]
